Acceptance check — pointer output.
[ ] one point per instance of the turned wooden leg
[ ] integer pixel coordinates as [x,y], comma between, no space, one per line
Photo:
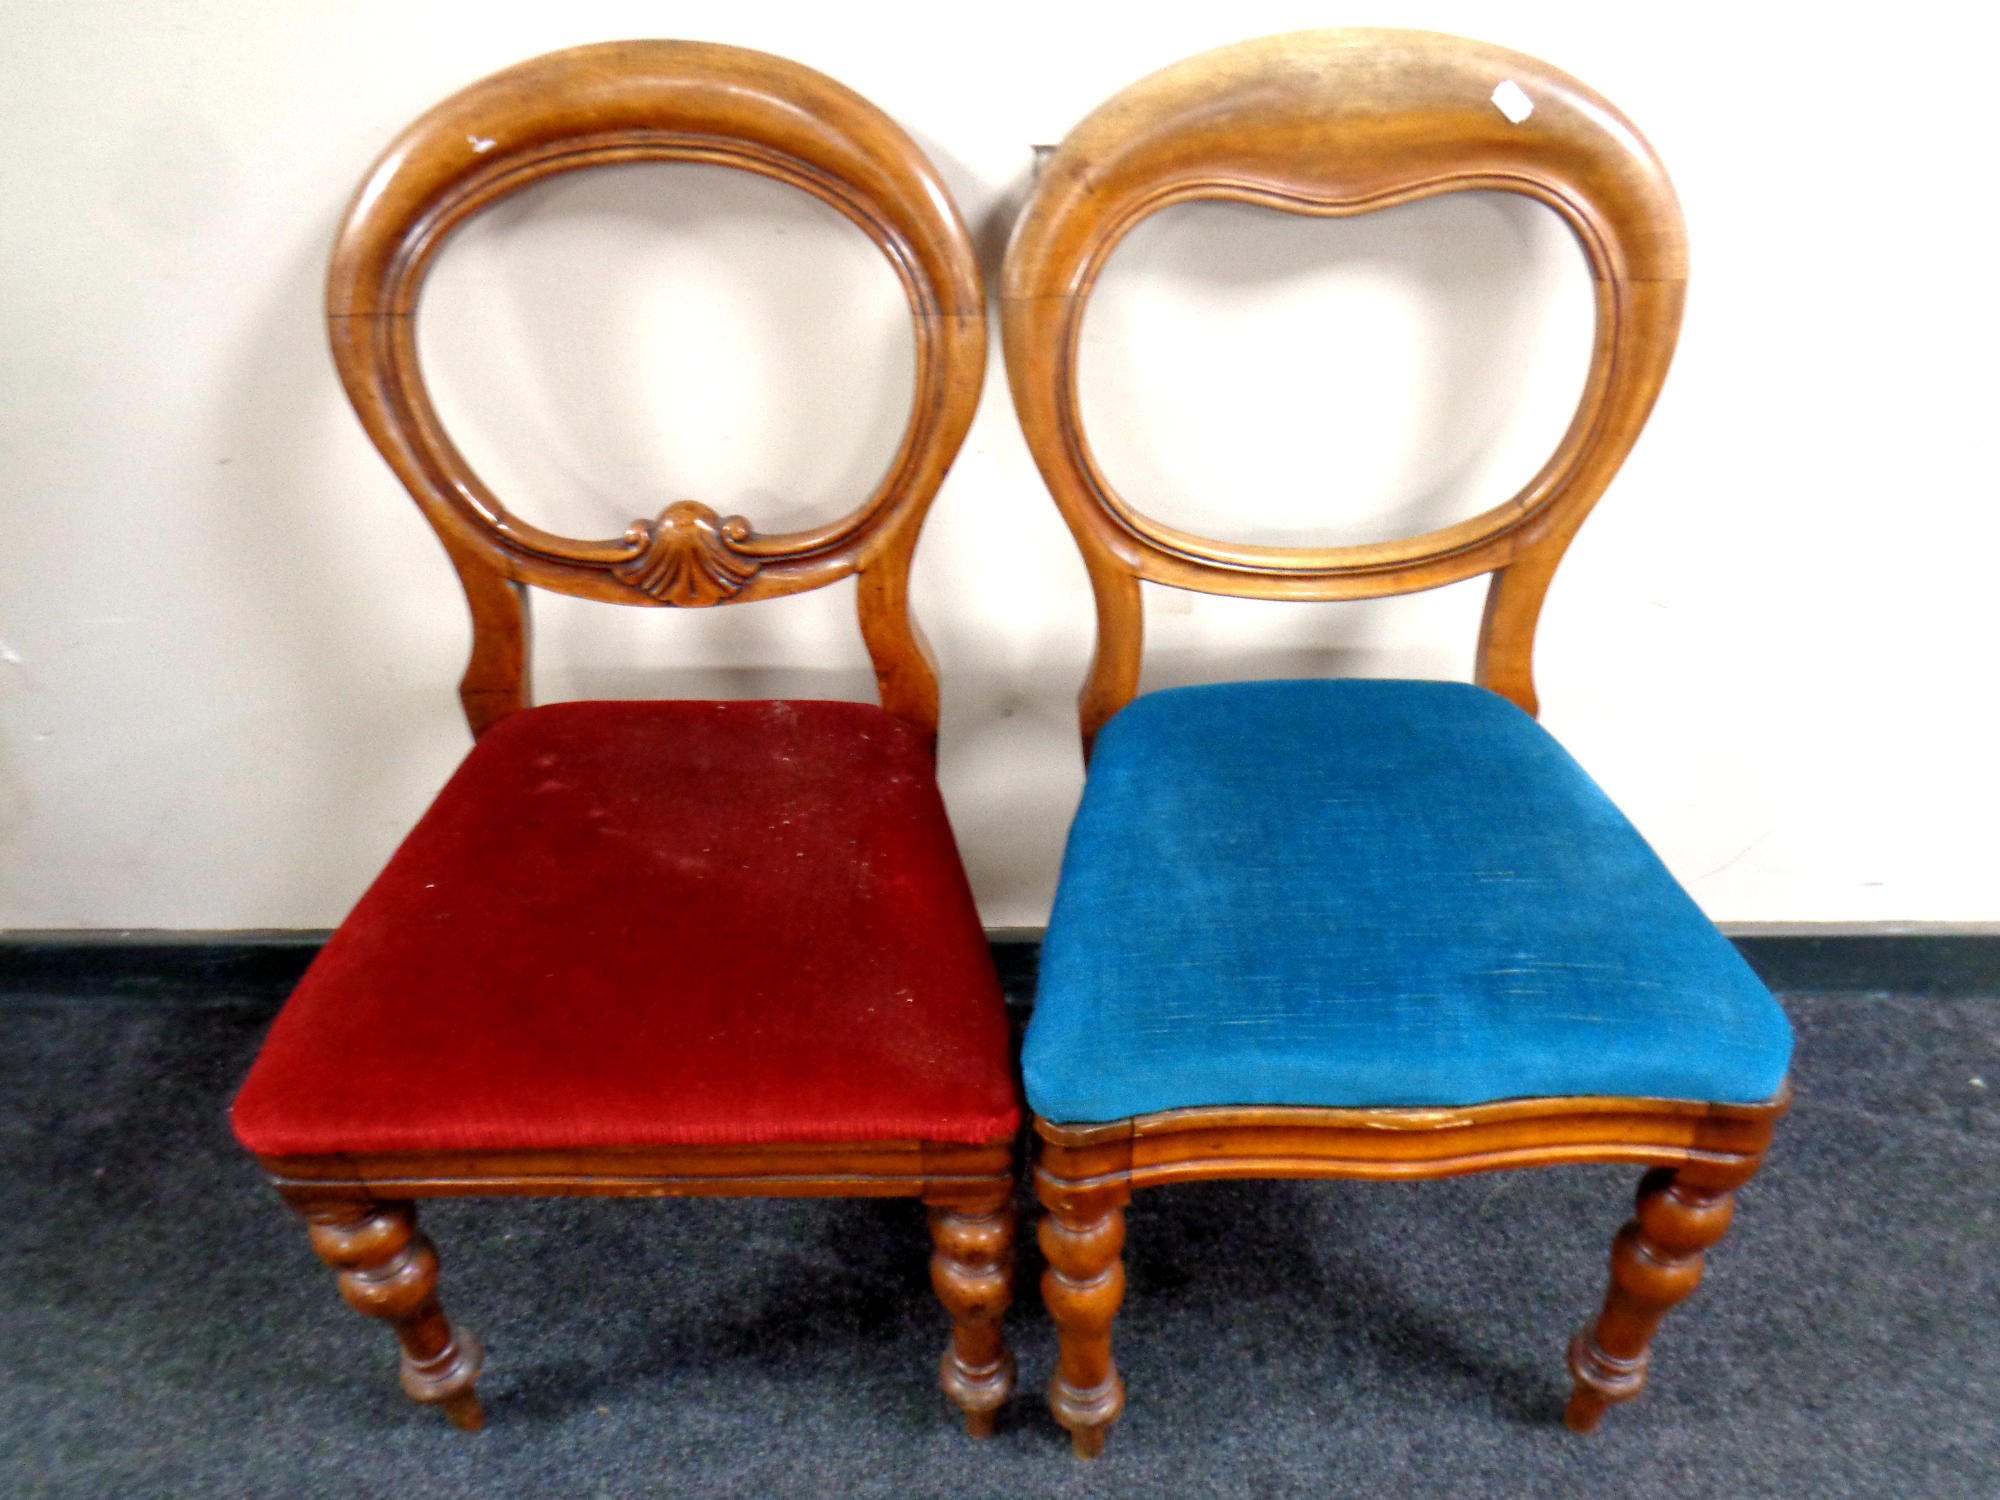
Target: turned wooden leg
[1656,1260]
[1081,1235]
[387,1268]
[972,1267]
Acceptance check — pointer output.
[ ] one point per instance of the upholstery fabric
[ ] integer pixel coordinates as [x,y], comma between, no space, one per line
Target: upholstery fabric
[1372,893]
[628,924]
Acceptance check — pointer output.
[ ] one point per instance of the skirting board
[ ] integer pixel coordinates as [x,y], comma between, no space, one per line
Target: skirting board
[260,967]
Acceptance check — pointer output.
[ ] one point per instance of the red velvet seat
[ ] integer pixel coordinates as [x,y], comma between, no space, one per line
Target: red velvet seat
[644,949]
[638,924]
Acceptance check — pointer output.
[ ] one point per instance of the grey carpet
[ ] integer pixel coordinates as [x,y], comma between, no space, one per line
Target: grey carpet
[165,1331]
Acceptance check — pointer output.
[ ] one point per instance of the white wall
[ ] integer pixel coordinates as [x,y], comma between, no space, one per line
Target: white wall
[230,642]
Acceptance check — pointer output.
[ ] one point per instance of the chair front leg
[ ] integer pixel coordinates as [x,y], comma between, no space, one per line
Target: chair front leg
[972,1268]
[387,1268]
[1081,1236]
[1656,1260]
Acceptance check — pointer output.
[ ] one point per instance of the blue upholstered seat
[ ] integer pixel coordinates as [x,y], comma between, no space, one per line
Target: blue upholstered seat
[1359,892]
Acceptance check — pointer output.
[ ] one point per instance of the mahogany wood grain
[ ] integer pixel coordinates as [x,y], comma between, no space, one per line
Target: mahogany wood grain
[363,1223]
[1704,1150]
[933,1170]
[387,1268]
[1400,1144]
[1656,1260]
[658,101]
[1081,1235]
[589,106]
[1336,123]
[972,1270]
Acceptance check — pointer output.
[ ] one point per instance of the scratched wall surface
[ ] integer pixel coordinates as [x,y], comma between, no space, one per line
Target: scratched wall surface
[227,642]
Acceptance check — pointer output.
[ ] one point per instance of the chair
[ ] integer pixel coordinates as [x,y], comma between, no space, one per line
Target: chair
[1366,929]
[656,948]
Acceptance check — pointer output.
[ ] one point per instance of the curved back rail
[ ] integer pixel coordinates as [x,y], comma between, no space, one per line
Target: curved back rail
[658,101]
[1335,123]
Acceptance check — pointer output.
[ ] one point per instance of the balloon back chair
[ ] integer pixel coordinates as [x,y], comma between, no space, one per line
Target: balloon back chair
[1366,929]
[656,948]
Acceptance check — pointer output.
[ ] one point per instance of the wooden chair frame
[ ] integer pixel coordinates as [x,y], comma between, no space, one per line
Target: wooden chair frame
[1335,123]
[592,106]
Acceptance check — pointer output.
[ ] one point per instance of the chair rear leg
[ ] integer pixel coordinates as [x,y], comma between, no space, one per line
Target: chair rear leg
[1656,1260]
[972,1268]
[387,1268]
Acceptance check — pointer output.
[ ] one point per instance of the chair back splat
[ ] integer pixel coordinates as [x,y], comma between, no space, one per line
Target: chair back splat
[1339,123]
[659,947]
[1366,929]
[657,101]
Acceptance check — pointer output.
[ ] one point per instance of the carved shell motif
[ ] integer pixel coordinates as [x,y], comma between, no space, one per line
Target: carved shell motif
[688,556]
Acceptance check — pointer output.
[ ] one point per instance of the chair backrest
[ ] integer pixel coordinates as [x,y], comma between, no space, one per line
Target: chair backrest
[658,101]
[1335,123]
